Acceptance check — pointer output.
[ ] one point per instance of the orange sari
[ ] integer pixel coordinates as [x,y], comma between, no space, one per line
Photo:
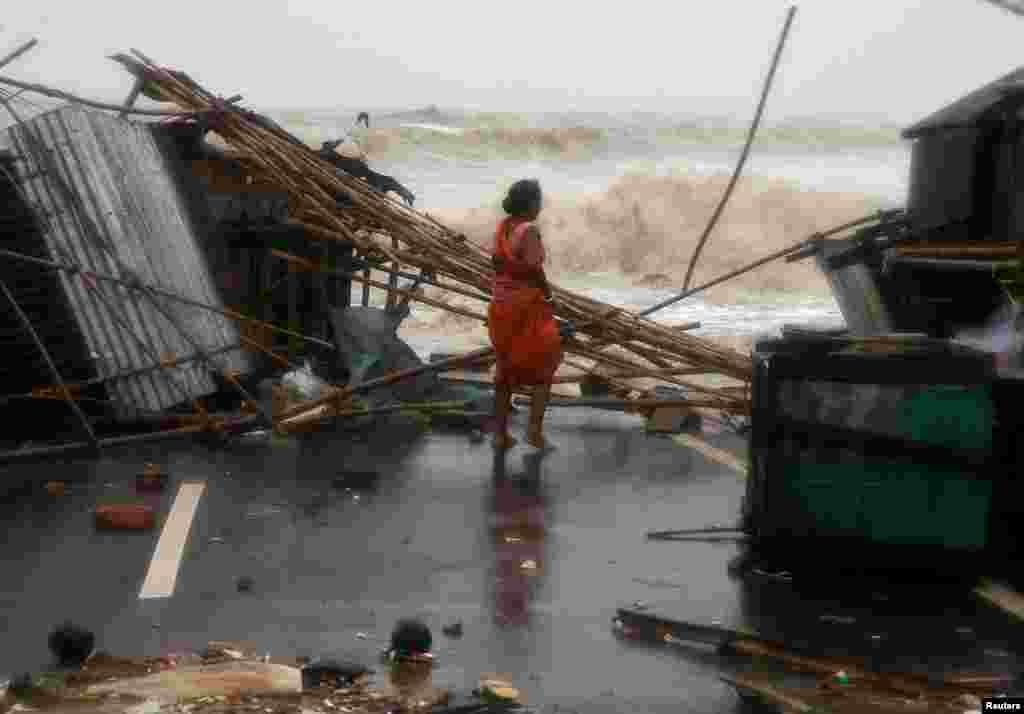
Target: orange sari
[522,326]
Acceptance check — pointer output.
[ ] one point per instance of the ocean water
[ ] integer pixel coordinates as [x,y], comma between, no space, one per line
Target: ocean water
[627,197]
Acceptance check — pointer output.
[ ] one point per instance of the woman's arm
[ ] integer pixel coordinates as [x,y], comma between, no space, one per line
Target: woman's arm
[533,255]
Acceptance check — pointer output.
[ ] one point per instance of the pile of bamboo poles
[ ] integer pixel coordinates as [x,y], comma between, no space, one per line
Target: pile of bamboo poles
[609,340]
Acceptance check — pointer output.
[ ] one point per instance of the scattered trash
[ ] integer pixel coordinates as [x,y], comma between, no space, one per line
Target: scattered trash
[838,619]
[302,383]
[841,677]
[71,645]
[640,605]
[222,651]
[152,478]
[497,690]
[453,630]
[149,707]
[339,674]
[255,435]
[55,488]
[196,683]
[965,630]
[529,565]
[407,540]
[125,516]
[411,637]
[476,436]
[216,539]
[361,636]
[20,685]
[244,584]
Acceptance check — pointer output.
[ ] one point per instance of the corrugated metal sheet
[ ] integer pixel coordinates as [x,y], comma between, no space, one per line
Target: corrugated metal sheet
[105,187]
[966,111]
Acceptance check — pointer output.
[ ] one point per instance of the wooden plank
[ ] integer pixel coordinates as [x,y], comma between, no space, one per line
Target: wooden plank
[712,453]
[1002,596]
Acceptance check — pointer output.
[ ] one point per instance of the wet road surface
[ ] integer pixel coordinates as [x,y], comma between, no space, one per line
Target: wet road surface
[342,533]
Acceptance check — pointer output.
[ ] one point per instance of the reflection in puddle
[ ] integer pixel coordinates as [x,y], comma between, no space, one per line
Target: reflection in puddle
[518,531]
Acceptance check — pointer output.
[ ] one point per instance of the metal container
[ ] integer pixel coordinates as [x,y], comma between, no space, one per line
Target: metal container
[943,187]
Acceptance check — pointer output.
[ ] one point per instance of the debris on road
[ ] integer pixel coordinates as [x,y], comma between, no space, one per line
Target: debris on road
[244,584]
[846,682]
[454,630]
[339,674]
[152,478]
[411,637]
[493,688]
[71,645]
[55,488]
[125,516]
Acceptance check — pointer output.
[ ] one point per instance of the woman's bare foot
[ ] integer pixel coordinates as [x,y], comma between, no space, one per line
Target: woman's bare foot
[504,441]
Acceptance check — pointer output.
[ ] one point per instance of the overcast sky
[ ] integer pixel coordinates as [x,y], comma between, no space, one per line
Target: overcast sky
[899,59]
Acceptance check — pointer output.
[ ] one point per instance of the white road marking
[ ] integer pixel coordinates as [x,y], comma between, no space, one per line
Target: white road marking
[163,568]
[712,453]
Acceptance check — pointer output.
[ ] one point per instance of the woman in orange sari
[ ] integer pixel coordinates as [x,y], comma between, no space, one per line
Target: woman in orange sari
[521,318]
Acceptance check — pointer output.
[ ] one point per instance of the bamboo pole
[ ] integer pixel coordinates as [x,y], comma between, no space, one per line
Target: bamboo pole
[637,405]
[47,452]
[763,261]
[746,148]
[440,366]
[70,268]
[68,97]
[57,379]
[18,52]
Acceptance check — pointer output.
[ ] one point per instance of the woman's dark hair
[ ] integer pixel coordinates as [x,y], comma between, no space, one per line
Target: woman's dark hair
[523,196]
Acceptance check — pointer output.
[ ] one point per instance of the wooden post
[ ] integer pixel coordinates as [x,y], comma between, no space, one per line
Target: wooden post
[393,278]
[57,379]
[293,309]
[366,284]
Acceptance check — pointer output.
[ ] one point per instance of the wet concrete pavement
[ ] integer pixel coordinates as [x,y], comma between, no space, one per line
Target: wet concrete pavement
[532,554]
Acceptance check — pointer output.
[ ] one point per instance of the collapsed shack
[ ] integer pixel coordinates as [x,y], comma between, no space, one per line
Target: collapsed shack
[150,207]
[154,203]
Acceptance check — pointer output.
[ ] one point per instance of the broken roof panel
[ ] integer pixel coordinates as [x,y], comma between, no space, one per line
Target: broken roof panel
[966,111]
[108,204]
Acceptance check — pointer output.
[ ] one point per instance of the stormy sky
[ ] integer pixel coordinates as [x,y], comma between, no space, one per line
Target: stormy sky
[892,60]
